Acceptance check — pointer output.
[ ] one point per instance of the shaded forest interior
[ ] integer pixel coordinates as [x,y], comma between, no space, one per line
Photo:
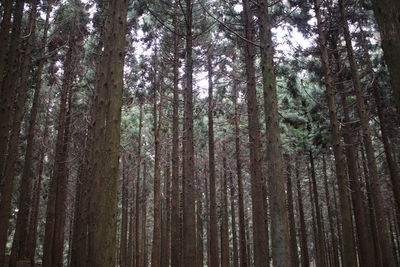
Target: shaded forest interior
[191,133]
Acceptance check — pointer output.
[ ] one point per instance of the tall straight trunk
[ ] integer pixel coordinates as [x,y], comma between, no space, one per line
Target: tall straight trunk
[235,258]
[261,255]
[61,191]
[8,93]
[9,171]
[335,260]
[387,255]
[208,221]
[189,226]
[175,201]
[320,245]
[214,258]
[305,262]
[276,182]
[137,185]
[313,219]
[225,256]
[123,250]
[167,192]
[366,250]
[372,219]
[242,226]
[294,258]
[349,251]
[103,205]
[389,28]
[392,164]
[4,34]
[143,245]
[199,221]
[156,246]
[20,235]
[60,158]
[34,216]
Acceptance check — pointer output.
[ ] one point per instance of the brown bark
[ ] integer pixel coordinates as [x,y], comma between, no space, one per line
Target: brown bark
[235,258]
[335,254]
[8,94]
[280,245]
[34,216]
[156,245]
[137,212]
[175,201]
[349,252]
[387,255]
[261,257]
[225,256]
[4,34]
[320,245]
[189,224]
[58,180]
[392,164]
[19,243]
[214,258]
[199,221]
[123,250]
[143,253]
[242,226]
[103,202]
[305,262]
[372,221]
[294,258]
[387,14]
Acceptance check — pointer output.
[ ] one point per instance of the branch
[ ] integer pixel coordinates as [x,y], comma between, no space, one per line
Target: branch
[226,27]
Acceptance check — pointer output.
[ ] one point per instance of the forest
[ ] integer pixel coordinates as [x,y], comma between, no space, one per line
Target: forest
[190,133]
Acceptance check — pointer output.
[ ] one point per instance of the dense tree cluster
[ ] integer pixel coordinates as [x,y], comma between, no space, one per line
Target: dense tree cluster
[200,133]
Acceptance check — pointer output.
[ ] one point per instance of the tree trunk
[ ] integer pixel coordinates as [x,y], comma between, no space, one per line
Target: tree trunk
[320,245]
[349,252]
[305,262]
[175,201]
[242,226]
[4,34]
[387,255]
[143,254]
[335,261]
[294,258]
[261,257]
[156,245]
[225,261]
[235,258]
[389,27]
[214,258]
[103,205]
[21,230]
[123,250]
[189,226]
[276,182]
[8,93]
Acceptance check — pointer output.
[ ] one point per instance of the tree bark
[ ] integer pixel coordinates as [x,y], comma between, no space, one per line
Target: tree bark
[387,256]
[294,258]
[235,258]
[8,93]
[225,256]
[189,225]
[103,204]
[305,262]
[242,225]
[214,258]
[389,27]
[276,182]
[261,256]
[349,252]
